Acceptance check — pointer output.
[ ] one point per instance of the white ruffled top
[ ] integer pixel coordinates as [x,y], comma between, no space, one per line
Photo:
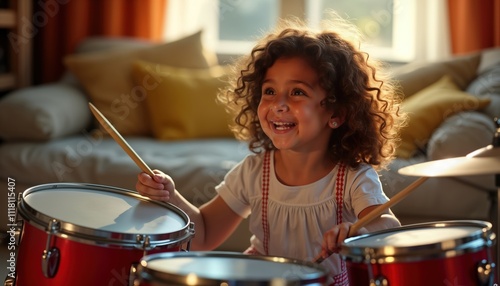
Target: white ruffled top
[298,215]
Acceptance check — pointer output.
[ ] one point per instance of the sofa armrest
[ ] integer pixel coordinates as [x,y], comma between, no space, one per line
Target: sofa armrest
[43,112]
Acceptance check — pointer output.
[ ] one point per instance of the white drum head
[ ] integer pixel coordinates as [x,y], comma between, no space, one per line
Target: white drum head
[199,267]
[414,237]
[106,211]
[105,215]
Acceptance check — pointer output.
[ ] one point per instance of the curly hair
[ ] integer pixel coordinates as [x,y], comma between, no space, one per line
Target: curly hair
[355,86]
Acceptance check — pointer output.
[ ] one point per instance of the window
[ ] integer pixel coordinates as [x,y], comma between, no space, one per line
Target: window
[387,26]
[231,26]
[241,22]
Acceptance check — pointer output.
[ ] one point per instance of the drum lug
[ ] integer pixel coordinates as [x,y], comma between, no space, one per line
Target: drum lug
[379,281]
[485,273]
[50,256]
[133,275]
[18,232]
[18,226]
[191,231]
[144,240]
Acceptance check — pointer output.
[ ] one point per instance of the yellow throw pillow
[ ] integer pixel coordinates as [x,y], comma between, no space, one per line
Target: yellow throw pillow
[182,102]
[428,108]
[107,78]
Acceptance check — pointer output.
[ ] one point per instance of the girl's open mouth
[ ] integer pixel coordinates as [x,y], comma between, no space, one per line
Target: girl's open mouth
[282,126]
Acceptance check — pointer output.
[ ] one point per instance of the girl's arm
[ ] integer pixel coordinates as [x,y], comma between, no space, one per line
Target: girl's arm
[333,238]
[213,222]
[220,221]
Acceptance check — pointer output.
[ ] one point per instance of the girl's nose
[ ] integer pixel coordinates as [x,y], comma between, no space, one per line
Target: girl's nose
[280,104]
[280,107]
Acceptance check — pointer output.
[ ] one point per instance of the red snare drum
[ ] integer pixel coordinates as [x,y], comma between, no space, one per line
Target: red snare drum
[225,268]
[437,253]
[81,234]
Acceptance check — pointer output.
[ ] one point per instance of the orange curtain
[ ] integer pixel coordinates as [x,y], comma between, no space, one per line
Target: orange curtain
[61,24]
[474,25]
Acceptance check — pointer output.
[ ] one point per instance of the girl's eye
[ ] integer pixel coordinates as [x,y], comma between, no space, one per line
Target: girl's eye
[269,91]
[298,92]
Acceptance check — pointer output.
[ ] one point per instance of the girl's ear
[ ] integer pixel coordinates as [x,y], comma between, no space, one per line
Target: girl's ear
[336,121]
[333,123]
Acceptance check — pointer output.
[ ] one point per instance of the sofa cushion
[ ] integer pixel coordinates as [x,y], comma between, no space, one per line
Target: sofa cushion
[43,113]
[182,102]
[428,108]
[461,134]
[106,76]
[489,58]
[416,76]
[487,85]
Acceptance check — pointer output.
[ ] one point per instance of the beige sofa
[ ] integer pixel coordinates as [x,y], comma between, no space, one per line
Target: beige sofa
[48,139]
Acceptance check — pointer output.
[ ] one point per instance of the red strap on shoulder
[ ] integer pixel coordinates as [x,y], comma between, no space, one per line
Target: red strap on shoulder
[341,278]
[265,196]
[339,192]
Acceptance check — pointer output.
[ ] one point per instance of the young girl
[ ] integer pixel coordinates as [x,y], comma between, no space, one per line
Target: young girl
[320,121]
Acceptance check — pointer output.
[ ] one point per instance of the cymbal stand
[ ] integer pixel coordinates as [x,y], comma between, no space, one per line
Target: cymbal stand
[495,204]
[496,212]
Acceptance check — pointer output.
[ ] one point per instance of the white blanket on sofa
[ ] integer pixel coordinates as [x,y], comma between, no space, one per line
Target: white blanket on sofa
[196,165]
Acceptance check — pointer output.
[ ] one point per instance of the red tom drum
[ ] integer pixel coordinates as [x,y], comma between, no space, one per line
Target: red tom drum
[437,253]
[84,234]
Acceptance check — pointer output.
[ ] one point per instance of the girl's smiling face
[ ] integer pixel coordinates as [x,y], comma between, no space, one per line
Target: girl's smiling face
[291,111]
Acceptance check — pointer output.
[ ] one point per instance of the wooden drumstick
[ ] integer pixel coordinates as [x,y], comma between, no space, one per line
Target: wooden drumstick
[119,139]
[379,210]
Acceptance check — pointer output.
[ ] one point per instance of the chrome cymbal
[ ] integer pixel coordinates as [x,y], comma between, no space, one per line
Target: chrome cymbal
[484,161]
[488,151]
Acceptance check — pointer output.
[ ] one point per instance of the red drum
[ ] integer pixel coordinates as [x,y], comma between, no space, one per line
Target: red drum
[437,253]
[82,234]
[225,268]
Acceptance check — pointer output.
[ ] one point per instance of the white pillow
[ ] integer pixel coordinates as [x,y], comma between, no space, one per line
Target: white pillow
[43,112]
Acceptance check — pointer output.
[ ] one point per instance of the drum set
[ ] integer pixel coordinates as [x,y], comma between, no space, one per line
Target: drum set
[71,236]
[87,234]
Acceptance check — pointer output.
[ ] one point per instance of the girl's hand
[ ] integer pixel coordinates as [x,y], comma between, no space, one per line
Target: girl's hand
[159,187]
[332,239]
